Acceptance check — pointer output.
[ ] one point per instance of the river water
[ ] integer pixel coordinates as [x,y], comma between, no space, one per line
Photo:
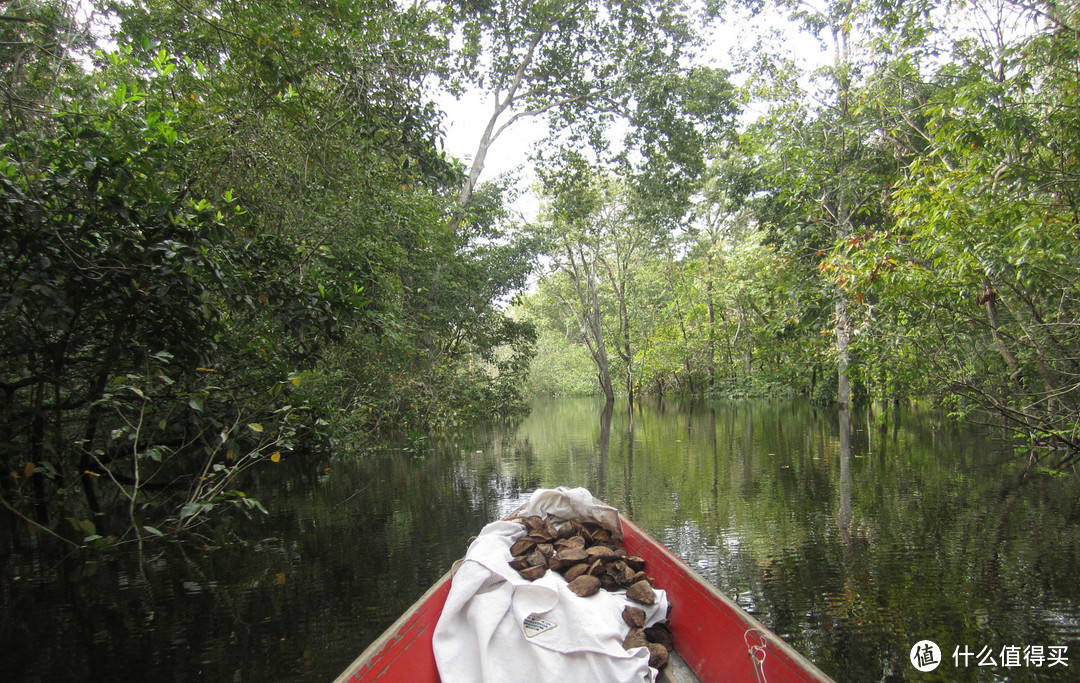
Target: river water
[851,550]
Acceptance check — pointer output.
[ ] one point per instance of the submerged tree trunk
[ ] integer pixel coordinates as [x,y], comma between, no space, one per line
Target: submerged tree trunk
[843,356]
[844,513]
[586,311]
[598,485]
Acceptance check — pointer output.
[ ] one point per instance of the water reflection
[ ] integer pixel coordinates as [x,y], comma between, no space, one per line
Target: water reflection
[852,553]
[843,516]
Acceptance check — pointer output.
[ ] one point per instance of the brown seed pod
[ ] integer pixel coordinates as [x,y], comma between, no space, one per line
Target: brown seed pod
[546,549]
[522,546]
[572,542]
[601,535]
[623,574]
[641,592]
[633,616]
[608,582]
[597,568]
[536,559]
[533,573]
[636,638]
[572,556]
[636,563]
[577,570]
[642,576]
[602,553]
[519,563]
[566,530]
[584,585]
[658,656]
[660,633]
[594,533]
[533,523]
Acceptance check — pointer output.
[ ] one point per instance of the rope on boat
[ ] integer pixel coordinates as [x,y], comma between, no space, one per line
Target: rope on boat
[756,644]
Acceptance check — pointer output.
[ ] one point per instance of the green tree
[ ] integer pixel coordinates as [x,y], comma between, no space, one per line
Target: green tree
[231,251]
[827,169]
[584,64]
[110,271]
[576,236]
[979,278]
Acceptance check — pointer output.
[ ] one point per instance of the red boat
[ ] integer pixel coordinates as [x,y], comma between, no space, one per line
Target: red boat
[715,639]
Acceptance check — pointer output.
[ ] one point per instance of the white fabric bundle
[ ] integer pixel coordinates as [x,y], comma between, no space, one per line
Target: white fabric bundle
[497,627]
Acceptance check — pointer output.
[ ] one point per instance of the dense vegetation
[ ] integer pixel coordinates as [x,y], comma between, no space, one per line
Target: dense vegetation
[898,222]
[230,234]
[225,243]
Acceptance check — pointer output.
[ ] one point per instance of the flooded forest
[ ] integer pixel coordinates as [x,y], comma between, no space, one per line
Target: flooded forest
[795,284]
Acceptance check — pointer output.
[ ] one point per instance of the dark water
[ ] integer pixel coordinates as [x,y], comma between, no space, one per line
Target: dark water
[921,532]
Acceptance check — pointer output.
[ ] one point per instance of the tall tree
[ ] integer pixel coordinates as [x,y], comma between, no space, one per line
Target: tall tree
[575,235]
[233,212]
[583,64]
[828,169]
[979,279]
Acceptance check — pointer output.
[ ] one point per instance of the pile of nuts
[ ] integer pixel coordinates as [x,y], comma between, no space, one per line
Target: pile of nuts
[590,559]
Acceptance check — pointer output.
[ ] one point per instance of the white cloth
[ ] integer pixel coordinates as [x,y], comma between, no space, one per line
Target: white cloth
[481,634]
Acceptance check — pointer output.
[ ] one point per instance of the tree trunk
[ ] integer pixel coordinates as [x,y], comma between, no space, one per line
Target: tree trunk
[710,367]
[843,358]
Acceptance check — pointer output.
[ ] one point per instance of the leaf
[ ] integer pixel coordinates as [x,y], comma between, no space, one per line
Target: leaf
[256,427]
[295,381]
[276,456]
[152,530]
[193,508]
[29,470]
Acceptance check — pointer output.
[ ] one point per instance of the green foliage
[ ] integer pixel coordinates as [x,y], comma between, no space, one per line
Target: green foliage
[585,65]
[226,243]
[972,294]
[911,229]
[112,273]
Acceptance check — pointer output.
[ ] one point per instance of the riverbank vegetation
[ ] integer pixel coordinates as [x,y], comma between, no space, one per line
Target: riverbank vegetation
[231,235]
[226,243]
[898,222]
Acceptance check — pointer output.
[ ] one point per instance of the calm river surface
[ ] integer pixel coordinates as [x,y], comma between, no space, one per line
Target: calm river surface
[922,532]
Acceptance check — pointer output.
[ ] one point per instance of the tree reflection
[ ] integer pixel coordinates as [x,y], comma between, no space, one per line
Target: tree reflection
[843,518]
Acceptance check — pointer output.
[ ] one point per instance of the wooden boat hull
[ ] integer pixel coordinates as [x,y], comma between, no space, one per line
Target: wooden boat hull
[716,638]
[711,633]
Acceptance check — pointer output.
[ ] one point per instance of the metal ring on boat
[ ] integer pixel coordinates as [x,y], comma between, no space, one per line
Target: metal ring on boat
[757,651]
